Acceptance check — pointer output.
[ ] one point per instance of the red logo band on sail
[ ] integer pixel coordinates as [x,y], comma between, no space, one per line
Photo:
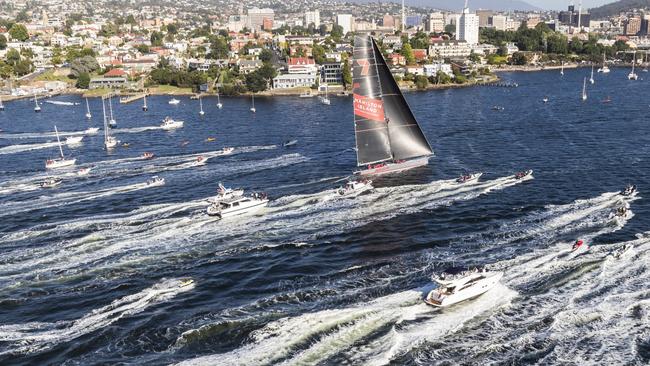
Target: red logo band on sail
[370,108]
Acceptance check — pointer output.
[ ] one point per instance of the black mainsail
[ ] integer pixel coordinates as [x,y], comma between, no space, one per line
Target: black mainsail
[385,127]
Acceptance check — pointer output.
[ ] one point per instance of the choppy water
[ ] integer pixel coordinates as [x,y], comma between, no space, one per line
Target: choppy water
[90,271]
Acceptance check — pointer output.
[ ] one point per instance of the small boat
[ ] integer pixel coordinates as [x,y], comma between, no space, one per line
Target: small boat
[147,156]
[463,287]
[498,108]
[354,188]
[37,108]
[604,69]
[156,181]
[224,194]
[629,190]
[83,171]
[579,247]
[306,95]
[200,160]
[607,100]
[126,144]
[290,143]
[227,150]
[174,101]
[144,105]
[238,206]
[201,112]
[621,212]
[545,100]
[253,103]
[50,182]
[88,115]
[62,161]
[91,131]
[466,178]
[591,78]
[195,96]
[186,282]
[632,75]
[2,106]
[170,124]
[621,251]
[219,105]
[584,90]
[210,139]
[73,140]
[523,174]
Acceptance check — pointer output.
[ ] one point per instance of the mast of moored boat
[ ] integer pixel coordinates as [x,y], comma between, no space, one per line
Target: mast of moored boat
[144,106]
[253,103]
[59,141]
[201,112]
[591,79]
[105,123]
[88,115]
[584,89]
[37,108]
[2,106]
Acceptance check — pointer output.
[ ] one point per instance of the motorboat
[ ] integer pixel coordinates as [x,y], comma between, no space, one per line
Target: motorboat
[354,188]
[579,247]
[306,95]
[170,124]
[210,139]
[83,171]
[498,108]
[147,156]
[50,182]
[238,206]
[464,286]
[629,190]
[621,212]
[224,194]
[200,160]
[156,181]
[62,161]
[91,131]
[607,100]
[126,144]
[523,174]
[290,143]
[174,101]
[545,100]
[227,150]
[73,140]
[466,178]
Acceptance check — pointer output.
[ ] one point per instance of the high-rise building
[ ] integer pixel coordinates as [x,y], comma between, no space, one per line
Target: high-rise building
[414,20]
[312,17]
[346,21]
[436,23]
[467,26]
[499,22]
[633,26]
[484,17]
[256,17]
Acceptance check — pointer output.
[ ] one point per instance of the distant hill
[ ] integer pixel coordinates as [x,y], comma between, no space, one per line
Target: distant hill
[607,10]
[458,4]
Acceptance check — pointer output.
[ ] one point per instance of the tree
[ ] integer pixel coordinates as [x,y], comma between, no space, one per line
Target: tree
[519,58]
[407,52]
[19,32]
[337,32]
[23,67]
[143,48]
[267,71]
[266,55]
[347,75]
[450,28]
[421,82]
[474,57]
[3,42]
[441,77]
[156,39]
[83,81]
[85,64]
[255,82]
[218,48]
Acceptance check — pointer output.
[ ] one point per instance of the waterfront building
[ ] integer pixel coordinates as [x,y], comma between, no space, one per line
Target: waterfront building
[451,49]
[301,65]
[286,81]
[332,72]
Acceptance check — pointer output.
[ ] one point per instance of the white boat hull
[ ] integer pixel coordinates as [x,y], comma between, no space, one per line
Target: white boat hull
[60,163]
[237,211]
[477,289]
[390,168]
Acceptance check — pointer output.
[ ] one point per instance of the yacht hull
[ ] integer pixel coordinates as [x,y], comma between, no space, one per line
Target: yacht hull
[390,168]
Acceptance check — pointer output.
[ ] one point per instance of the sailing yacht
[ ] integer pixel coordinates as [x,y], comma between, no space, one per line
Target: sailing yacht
[201,112]
[109,141]
[62,161]
[2,106]
[88,115]
[591,78]
[562,69]
[632,75]
[584,90]
[144,105]
[388,137]
[37,107]
[604,69]
[325,99]
[219,105]
[253,103]
[111,122]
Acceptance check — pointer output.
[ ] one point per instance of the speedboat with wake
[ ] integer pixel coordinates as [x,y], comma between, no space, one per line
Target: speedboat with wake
[156,181]
[354,188]
[83,171]
[629,190]
[466,178]
[388,137]
[464,286]
[91,131]
[621,212]
[523,174]
[200,160]
[290,143]
[579,247]
[147,155]
[170,124]
[73,140]
[50,182]
[62,161]
[238,205]
[224,194]
[227,150]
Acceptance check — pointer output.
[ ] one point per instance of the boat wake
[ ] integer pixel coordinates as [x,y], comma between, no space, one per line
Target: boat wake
[13,149]
[36,337]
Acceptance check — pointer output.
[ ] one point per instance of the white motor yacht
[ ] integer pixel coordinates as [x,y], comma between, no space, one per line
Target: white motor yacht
[463,287]
[227,150]
[156,181]
[170,124]
[354,188]
[73,140]
[238,205]
[174,101]
[523,174]
[92,131]
[224,194]
[50,182]
[466,178]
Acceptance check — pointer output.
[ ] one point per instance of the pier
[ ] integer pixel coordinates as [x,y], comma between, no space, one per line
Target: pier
[132,98]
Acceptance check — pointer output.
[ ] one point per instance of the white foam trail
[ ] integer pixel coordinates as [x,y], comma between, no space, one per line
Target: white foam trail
[36,135]
[36,337]
[12,149]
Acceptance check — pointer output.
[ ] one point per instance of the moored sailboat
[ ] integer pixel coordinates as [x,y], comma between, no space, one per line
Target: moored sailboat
[591,78]
[109,141]
[219,105]
[62,161]
[562,69]
[604,69]
[632,75]
[37,108]
[201,112]
[144,105]
[388,137]
[325,99]
[111,122]
[2,106]
[584,90]
[88,115]
[253,103]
